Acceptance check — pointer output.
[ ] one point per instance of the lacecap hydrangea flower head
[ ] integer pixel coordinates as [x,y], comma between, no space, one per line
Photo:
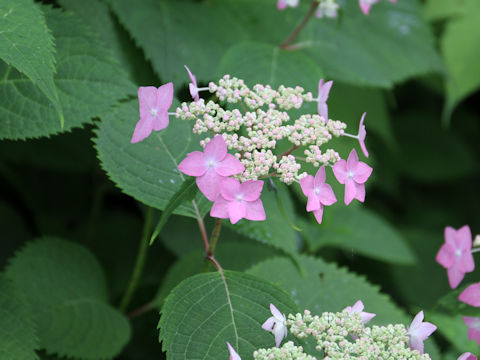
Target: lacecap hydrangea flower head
[242,128]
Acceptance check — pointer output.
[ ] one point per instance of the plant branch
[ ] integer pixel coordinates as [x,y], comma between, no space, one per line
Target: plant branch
[300,27]
[140,310]
[201,225]
[289,151]
[140,262]
[214,237]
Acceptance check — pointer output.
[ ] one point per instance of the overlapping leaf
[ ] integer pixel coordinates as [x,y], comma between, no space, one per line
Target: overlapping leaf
[65,288]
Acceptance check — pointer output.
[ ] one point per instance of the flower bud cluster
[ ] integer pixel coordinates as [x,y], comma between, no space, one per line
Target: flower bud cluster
[253,134]
[287,352]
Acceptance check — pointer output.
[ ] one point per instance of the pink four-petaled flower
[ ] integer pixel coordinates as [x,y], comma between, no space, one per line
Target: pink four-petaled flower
[276,324]
[233,353]
[323,91]
[193,87]
[154,104]
[455,255]
[473,328]
[471,295]
[282,4]
[211,166]
[418,331]
[357,308]
[239,200]
[318,192]
[353,174]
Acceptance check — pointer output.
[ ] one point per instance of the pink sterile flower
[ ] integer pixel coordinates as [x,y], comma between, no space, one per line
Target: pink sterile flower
[233,353]
[467,356]
[276,324]
[318,192]
[358,308]
[455,255]
[193,85]
[323,91]
[362,134]
[473,328]
[239,200]
[154,105]
[282,4]
[419,331]
[211,167]
[353,174]
[471,295]
[365,5]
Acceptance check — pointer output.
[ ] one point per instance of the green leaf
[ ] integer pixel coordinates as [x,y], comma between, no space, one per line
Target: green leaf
[147,170]
[207,310]
[267,64]
[325,287]
[65,288]
[18,338]
[187,192]
[27,44]
[360,230]
[274,231]
[88,80]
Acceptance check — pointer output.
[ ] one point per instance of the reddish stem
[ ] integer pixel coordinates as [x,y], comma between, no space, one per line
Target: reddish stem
[300,27]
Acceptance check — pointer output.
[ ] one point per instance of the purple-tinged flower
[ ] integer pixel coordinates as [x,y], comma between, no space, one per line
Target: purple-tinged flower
[239,200]
[276,324]
[353,174]
[473,328]
[233,353]
[154,104]
[357,308]
[211,166]
[323,91]
[455,255]
[467,356]
[318,193]
[327,8]
[471,295]
[419,331]
[193,85]
[282,4]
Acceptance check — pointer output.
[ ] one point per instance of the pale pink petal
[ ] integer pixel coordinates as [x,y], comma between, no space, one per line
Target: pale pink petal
[455,276]
[449,235]
[251,189]
[230,165]
[306,184]
[364,6]
[318,214]
[194,164]
[417,320]
[473,328]
[350,191]
[340,171]
[446,255]
[193,92]
[464,356]
[416,344]
[320,177]
[281,4]
[466,263]
[279,332]
[160,121]
[357,307]
[471,321]
[230,188]
[192,77]
[361,173]
[352,160]
[216,149]
[220,208]
[323,91]
[463,238]
[326,195]
[362,134]
[142,130]
[359,192]
[165,96]
[474,334]
[366,316]
[255,210]
[419,331]
[147,100]
[322,110]
[471,295]
[393,1]
[268,325]
[236,211]
[209,184]
[313,203]
[233,353]
[276,313]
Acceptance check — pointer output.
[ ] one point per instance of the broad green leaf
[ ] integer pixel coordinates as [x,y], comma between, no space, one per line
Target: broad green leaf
[362,231]
[147,170]
[65,288]
[460,45]
[27,44]
[274,231]
[441,9]
[187,192]
[207,310]
[267,64]
[18,338]
[89,82]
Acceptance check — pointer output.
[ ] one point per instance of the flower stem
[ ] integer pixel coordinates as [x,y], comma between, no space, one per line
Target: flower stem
[140,262]
[201,225]
[289,151]
[214,237]
[140,311]
[475,250]
[300,27]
